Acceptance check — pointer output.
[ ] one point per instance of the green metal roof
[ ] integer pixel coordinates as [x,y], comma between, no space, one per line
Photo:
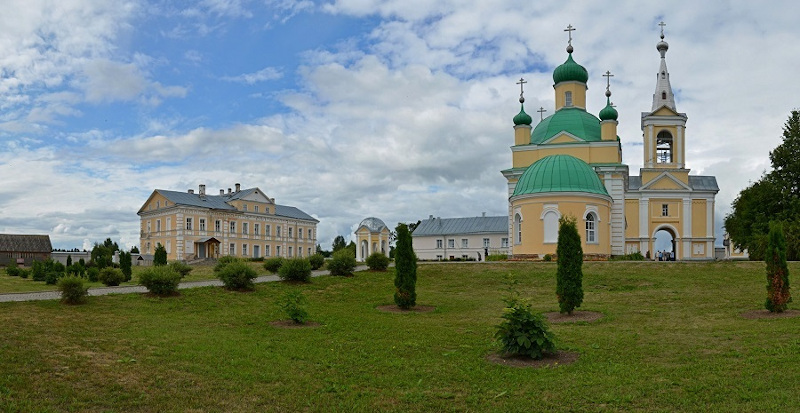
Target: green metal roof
[608,112]
[570,71]
[575,121]
[559,173]
[522,118]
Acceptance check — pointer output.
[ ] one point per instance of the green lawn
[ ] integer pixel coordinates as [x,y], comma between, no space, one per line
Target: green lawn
[672,339]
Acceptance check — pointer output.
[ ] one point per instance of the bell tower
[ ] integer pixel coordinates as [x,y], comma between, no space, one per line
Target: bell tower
[664,128]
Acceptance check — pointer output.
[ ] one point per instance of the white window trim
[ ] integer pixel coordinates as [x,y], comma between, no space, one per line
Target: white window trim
[549,208]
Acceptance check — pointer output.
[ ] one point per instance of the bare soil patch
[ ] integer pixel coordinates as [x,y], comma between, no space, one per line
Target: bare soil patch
[587,316]
[292,324]
[764,314]
[395,309]
[550,360]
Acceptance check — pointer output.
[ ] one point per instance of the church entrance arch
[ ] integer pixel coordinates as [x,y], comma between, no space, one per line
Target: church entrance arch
[665,244]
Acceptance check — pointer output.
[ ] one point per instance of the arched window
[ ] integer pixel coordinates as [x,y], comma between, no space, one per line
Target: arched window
[567,98]
[591,228]
[550,227]
[664,147]
[664,95]
[518,228]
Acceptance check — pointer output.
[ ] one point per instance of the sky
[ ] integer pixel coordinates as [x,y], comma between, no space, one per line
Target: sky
[348,109]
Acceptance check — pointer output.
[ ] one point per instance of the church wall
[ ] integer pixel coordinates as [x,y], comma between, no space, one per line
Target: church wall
[632,218]
[673,211]
[608,130]
[578,94]
[699,218]
[522,135]
[589,154]
[532,211]
[650,174]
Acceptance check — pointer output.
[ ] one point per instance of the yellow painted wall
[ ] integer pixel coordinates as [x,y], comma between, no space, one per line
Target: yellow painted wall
[564,138]
[578,94]
[522,135]
[664,111]
[632,218]
[586,153]
[699,217]
[608,130]
[650,174]
[533,225]
[665,183]
[674,211]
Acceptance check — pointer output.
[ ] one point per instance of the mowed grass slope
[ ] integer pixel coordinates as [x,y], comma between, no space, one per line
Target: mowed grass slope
[672,339]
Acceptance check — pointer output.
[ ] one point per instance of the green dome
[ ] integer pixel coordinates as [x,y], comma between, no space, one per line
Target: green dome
[572,120]
[559,173]
[570,71]
[522,118]
[608,112]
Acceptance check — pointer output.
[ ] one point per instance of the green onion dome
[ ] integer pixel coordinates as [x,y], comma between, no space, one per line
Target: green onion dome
[522,118]
[570,71]
[608,112]
[559,173]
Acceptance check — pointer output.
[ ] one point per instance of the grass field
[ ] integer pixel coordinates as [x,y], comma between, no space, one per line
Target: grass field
[672,338]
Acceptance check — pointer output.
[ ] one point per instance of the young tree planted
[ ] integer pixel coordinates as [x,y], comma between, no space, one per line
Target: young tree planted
[405,263]
[569,275]
[160,256]
[125,264]
[778,295]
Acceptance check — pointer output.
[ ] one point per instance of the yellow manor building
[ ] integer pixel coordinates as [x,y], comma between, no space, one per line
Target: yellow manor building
[570,164]
[240,223]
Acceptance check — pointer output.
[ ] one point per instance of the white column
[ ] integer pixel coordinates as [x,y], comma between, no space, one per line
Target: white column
[687,228]
[649,150]
[710,218]
[644,226]
[679,147]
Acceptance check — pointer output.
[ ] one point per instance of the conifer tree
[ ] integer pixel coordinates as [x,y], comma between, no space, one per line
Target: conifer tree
[569,275]
[778,295]
[405,279]
[125,264]
[160,256]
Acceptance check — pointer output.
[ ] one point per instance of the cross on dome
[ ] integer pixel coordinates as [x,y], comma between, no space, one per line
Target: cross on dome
[608,77]
[569,31]
[662,24]
[521,90]
[541,111]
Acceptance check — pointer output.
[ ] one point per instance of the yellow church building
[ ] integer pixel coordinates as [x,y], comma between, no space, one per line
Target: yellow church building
[570,164]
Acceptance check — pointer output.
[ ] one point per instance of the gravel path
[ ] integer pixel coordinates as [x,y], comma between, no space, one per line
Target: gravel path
[132,289]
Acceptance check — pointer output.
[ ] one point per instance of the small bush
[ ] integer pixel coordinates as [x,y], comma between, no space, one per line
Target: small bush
[223,261]
[547,258]
[377,262]
[38,271]
[180,268]
[12,270]
[111,276]
[160,255]
[257,259]
[635,256]
[237,276]
[523,333]
[23,273]
[292,304]
[497,256]
[161,280]
[72,290]
[273,264]
[342,263]
[316,261]
[51,278]
[295,269]
[93,273]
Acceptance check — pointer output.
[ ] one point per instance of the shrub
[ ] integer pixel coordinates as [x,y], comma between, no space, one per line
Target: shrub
[405,280]
[72,290]
[12,270]
[38,271]
[237,276]
[292,304]
[496,256]
[342,263]
[51,278]
[23,273]
[111,276]
[377,262]
[161,280]
[295,269]
[523,333]
[93,273]
[316,261]
[273,264]
[160,255]
[223,261]
[180,268]
[569,275]
[778,295]
[547,258]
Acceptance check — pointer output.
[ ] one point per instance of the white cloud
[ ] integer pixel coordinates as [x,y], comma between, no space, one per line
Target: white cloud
[265,74]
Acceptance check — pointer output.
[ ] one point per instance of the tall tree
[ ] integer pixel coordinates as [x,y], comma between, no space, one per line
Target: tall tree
[338,243]
[125,264]
[775,196]
[569,275]
[405,266]
[778,295]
